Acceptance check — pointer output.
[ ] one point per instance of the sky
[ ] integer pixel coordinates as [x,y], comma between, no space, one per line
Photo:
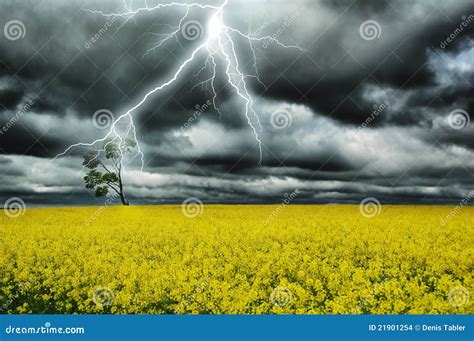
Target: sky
[349,99]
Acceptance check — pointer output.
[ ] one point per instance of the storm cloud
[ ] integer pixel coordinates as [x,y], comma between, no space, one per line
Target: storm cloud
[373,98]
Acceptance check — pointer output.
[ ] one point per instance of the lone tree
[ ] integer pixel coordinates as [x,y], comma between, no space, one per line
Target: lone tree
[109,177]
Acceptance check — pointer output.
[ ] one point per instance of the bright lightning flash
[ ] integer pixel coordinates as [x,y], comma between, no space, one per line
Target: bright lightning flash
[218,48]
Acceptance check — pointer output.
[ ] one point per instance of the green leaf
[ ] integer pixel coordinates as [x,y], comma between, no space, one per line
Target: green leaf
[91,160]
[93,179]
[101,191]
[110,177]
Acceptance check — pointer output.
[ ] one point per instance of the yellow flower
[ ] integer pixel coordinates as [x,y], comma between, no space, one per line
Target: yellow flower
[234,260]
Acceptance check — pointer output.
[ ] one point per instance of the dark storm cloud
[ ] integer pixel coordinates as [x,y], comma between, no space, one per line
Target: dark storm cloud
[95,79]
[73,62]
[10,98]
[331,77]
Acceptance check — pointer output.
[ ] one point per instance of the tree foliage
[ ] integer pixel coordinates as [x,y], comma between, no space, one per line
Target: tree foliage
[105,167]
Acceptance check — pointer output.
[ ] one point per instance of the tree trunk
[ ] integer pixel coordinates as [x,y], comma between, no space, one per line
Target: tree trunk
[122,196]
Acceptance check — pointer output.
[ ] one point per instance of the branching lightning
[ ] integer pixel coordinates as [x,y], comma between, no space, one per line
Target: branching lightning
[217,48]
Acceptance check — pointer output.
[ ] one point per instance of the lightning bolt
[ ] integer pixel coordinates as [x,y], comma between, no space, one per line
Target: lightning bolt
[218,47]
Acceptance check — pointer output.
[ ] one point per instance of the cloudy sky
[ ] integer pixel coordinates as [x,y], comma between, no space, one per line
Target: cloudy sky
[348,99]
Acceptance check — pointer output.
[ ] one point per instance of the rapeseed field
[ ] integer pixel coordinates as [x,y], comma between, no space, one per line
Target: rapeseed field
[237,259]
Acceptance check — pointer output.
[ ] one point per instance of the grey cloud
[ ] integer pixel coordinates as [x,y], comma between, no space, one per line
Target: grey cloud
[405,153]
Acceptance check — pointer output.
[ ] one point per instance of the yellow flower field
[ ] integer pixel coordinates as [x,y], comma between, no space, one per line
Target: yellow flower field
[235,259]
